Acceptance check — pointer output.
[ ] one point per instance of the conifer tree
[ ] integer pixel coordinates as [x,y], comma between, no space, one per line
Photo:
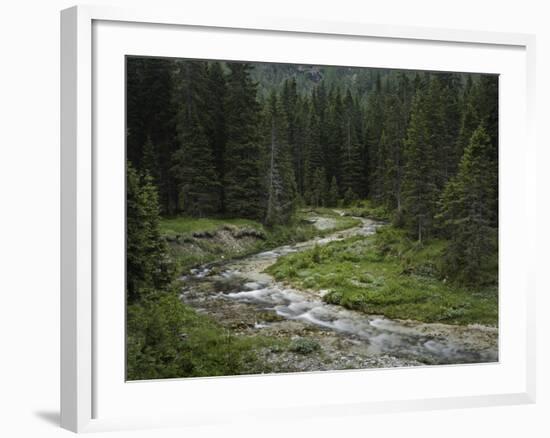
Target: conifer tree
[452,113]
[319,188]
[349,197]
[293,113]
[434,108]
[374,124]
[469,122]
[391,151]
[420,190]
[302,143]
[150,160]
[332,197]
[150,116]
[216,128]
[315,161]
[194,165]
[466,212]
[351,166]
[147,266]
[280,184]
[336,135]
[243,180]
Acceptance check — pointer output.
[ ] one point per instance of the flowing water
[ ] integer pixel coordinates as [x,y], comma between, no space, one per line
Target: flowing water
[244,297]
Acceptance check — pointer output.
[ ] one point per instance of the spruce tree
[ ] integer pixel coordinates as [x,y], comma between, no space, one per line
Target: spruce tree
[466,212]
[280,184]
[420,190]
[150,116]
[318,188]
[469,122]
[452,113]
[291,106]
[391,151]
[150,160]
[315,162]
[336,135]
[147,266]
[434,107]
[216,128]
[352,176]
[244,191]
[333,193]
[374,125]
[194,166]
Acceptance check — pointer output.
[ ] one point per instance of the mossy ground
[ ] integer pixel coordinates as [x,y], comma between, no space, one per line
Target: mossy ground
[388,274]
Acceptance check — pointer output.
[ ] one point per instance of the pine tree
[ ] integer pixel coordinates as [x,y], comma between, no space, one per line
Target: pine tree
[351,166]
[349,197]
[150,116]
[481,107]
[332,198]
[318,188]
[293,113]
[420,190]
[301,143]
[215,128]
[147,264]
[281,184]
[335,137]
[469,122]
[314,158]
[243,180]
[391,152]
[466,212]
[374,124]
[489,115]
[150,160]
[194,165]
[452,113]
[434,107]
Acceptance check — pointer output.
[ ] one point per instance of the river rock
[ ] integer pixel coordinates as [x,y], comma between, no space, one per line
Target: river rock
[253,285]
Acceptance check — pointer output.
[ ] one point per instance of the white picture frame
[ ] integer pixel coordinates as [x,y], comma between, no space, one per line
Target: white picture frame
[86,381]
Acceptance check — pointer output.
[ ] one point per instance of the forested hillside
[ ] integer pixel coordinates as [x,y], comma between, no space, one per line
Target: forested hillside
[261,195]
[258,140]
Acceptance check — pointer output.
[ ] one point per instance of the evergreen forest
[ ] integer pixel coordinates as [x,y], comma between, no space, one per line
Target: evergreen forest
[230,159]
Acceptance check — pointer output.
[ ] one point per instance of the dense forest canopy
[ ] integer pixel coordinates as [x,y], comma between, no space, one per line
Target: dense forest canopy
[257,140]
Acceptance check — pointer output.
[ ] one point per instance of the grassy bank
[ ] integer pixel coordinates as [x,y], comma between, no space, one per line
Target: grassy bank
[366,208]
[195,241]
[167,339]
[388,274]
[188,225]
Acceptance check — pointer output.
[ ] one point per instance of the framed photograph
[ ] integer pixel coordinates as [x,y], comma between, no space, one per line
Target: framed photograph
[327,210]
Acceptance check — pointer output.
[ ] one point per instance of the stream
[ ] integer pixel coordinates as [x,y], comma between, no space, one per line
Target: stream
[240,296]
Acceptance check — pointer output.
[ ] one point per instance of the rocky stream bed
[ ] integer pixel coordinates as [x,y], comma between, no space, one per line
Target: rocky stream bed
[247,301]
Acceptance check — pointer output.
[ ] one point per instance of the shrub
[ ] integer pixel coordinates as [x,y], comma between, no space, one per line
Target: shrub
[304,346]
[391,241]
[316,254]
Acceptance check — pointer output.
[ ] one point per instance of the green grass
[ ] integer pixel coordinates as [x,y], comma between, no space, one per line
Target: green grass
[167,339]
[188,225]
[365,208]
[389,275]
[189,251]
[342,222]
